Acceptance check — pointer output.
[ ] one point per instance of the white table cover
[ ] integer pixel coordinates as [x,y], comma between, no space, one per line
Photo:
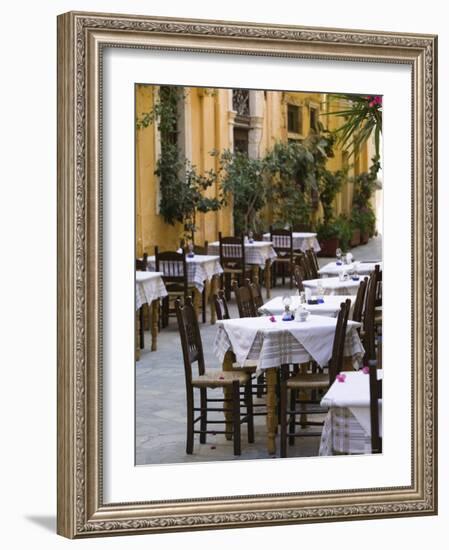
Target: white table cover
[149,287]
[256,253]
[329,308]
[348,423]
[200,268]
[333,286]
[332,269]
[284,342]
[301,241]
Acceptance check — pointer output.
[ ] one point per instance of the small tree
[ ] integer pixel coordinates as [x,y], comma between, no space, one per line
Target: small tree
[243,182]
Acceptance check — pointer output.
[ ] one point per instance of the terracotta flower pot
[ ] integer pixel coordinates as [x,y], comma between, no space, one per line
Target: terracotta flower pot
[329,247]
[364,238]
[355,239]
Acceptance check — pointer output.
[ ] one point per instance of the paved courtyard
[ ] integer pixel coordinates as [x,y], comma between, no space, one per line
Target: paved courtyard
[160,397]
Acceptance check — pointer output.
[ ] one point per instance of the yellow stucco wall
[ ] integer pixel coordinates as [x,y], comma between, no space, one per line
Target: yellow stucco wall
[208,126]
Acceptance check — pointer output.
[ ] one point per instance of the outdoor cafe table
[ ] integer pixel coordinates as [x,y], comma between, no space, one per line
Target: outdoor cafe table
[347,427]
[201,270]
[301,241]
[329,308]
[333,286]
[273,344]
[258,254]
[149,288]
[363,268]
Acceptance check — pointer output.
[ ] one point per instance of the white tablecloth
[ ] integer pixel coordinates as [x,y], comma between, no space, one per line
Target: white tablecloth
[284,342]
[301,241]
[256,253]
[333,286]
[200,268]
[332,269]
[149,287]
[329,308]
[347,426]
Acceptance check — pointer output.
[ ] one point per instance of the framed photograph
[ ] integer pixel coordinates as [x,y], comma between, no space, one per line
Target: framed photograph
[247,274]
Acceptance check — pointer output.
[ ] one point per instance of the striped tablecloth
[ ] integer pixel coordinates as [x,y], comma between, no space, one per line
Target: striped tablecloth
[329,308]
[149,287]
[256,253]
[347,427]
[301,241]
[333,286]
[200,268]
[279,343]
[332,269]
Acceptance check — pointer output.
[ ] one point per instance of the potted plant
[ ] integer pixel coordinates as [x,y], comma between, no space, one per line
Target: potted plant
[328,238]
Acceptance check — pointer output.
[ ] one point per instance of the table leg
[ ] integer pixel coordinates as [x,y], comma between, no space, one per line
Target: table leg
[228,360]
[268,278]
[154,324]
[213,289]
[271,377]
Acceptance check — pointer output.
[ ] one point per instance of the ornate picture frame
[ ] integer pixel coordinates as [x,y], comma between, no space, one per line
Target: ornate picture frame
[82,37]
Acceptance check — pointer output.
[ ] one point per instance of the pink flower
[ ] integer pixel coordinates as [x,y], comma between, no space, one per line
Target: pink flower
[272,319]
[365,370]
[213,447]
[221,378]
[341,377]
[375,101]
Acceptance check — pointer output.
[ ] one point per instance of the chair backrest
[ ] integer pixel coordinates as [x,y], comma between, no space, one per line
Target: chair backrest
[232,252]
[192,347]
[379,290]
[244,299]
[313,263]
[369,316]
[302,261]
[375,393]
[336,362]
[256,294]
[298,278]
[173,266]
[221,306]
[359,301]
[142,265]
[282,240]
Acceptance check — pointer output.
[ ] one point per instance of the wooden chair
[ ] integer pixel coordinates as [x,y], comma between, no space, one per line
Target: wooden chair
[303,263]
[298,278]
[192,350]
[232,259]
[200,251]
[256,294]
[360,301]
[313,263]
[173,267]
[369,321]
[250,366]
[282,240]
[375,391]
[245,302]
[301,382]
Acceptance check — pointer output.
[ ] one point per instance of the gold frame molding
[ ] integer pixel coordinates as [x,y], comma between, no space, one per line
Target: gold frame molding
[81,38]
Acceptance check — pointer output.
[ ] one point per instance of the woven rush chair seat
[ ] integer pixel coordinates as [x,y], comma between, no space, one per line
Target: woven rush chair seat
[312,381]
[219,379]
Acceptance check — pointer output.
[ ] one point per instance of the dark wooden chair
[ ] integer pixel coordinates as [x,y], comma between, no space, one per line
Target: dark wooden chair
[192,350]
[369,316]
[302,261]
[256,294]
[173,267]
[313,263]
[282,240]
[244,300]
[357,312]
[221,306]
[232,259]
[310,382]
[375,391]
[298,278]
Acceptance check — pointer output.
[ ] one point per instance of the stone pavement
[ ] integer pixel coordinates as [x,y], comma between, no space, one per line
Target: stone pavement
[160,397]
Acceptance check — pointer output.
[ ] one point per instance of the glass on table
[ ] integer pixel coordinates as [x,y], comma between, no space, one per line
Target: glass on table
[338,253]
